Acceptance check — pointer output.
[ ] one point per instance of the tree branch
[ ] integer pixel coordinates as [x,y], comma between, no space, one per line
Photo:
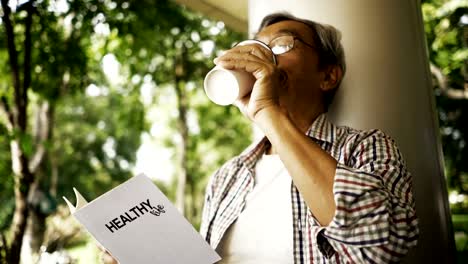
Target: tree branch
[4,247]
[41,133]
[442,82]
[27,52]
[182,104]
[5,107]
[13,59]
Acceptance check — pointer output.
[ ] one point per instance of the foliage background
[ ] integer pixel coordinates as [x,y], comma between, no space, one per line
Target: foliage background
[111,81]
[446,27]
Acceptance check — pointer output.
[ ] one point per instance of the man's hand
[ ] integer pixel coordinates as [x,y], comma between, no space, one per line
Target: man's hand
[257,60]
[106,257]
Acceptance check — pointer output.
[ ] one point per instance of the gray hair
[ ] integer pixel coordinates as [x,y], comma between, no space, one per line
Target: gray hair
[327,40]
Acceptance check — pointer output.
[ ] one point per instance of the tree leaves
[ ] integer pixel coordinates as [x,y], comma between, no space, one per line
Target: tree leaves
[97,119]
[447,37]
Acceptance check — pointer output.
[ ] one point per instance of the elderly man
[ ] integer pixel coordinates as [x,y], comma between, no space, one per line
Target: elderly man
[309,191]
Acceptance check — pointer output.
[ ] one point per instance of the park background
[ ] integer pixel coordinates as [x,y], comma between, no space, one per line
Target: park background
[95,91]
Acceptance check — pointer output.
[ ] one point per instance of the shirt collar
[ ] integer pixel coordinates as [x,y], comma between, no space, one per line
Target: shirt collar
[252,153]
[320,129]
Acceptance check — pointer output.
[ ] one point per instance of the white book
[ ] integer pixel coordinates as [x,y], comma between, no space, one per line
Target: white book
[136,223]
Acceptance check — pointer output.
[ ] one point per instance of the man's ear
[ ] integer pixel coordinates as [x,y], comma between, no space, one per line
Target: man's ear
[332,76]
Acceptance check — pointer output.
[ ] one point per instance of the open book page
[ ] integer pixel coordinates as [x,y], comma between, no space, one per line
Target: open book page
[80,201]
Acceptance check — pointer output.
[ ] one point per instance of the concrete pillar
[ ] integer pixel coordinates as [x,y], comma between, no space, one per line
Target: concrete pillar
[388,86]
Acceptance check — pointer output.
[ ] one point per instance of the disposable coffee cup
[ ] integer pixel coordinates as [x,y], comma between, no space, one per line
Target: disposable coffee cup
[224,87]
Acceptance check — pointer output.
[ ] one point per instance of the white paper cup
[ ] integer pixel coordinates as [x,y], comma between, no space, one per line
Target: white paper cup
[224,87]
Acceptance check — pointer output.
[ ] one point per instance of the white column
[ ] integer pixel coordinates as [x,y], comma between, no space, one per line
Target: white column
[387,86]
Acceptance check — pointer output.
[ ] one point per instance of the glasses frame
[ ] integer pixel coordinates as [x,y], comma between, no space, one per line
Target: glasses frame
[271,49]
[293,43]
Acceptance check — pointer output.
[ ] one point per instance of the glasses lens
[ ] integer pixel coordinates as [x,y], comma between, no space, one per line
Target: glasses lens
[282,44]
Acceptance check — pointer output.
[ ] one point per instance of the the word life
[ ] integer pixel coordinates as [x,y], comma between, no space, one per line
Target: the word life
[133,213]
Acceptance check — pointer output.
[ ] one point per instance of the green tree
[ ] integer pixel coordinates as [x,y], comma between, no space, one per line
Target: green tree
[446,29]
[64,124]
[15,100]
[53,56]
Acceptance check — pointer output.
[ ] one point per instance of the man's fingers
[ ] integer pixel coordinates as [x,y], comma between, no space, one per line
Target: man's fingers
[259,69]
[239,56]
[107,258]
[256,50]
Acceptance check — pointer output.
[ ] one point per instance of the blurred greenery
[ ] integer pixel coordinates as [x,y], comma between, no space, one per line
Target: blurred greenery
[107,79]
[446,26]
[110,78]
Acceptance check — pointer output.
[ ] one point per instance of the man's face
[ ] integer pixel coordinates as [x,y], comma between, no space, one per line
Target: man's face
[302,88]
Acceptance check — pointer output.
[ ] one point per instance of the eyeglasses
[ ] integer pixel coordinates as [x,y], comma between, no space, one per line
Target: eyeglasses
[283,44]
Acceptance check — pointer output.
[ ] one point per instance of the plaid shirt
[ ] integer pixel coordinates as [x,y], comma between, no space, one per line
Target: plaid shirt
[375,220]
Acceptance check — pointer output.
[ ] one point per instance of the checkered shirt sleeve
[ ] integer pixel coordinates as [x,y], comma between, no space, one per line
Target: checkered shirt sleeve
[375,220]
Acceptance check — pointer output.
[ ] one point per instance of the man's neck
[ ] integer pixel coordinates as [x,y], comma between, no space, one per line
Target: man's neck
[303,115]
[303,122]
